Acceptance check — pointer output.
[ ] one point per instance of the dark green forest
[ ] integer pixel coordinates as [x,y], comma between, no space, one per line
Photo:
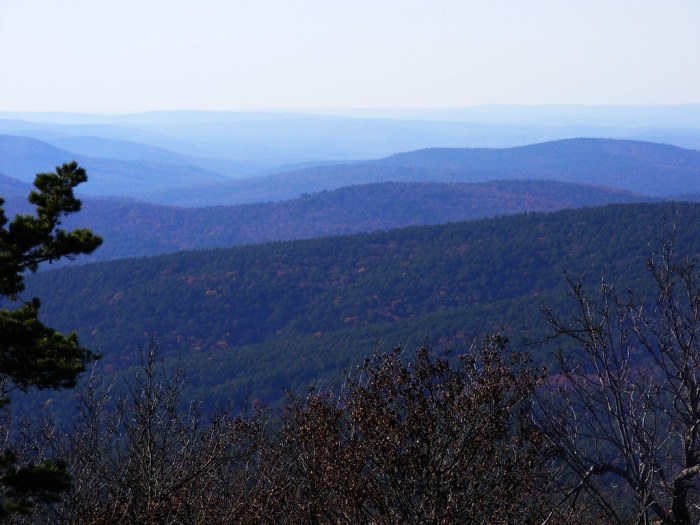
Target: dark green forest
[257,319]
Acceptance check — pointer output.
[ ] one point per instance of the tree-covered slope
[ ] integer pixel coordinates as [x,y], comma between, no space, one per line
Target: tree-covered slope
[285,313]
[134,229]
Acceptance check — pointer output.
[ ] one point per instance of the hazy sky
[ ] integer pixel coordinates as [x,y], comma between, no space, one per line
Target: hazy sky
[138,55]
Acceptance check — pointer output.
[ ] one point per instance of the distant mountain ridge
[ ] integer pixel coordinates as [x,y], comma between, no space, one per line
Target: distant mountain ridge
[23,157]
[648,168]
[650,114]
[13,189]
[254,143]
[129,150]
[548,155]
[656,170]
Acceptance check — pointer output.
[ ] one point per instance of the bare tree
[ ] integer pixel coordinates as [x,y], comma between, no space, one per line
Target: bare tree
[437,440]
[149,459]
[624,410]
[433,441]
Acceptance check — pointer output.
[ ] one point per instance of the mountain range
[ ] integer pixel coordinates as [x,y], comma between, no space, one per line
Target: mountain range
[328,248]
[421,187]
[653,169]
[201,147]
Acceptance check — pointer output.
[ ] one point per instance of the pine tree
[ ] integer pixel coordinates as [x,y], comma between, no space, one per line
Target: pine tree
[32,354]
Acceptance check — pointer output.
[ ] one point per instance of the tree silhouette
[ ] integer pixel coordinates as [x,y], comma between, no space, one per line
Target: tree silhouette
[624,411]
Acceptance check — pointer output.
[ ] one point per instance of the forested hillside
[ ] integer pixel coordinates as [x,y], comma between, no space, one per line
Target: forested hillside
[286,313]
[132,229]
[136,229]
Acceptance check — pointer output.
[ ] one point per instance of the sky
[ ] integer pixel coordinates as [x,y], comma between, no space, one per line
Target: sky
[119,56]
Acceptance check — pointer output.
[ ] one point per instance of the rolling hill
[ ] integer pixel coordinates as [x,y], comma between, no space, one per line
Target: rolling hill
[646,167]
[163,177]
[283,137]
[657,170]
[257,318]
[134,229]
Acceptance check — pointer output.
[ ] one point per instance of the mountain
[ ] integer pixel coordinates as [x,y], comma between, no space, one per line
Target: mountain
[257,318]
[131,228]
[22,158]
[659,116]
[653,169]
[188,159]
[88,127]
[682,116]
[645,167]
[125,150]
[272,139]
[257,141]
[13,190]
